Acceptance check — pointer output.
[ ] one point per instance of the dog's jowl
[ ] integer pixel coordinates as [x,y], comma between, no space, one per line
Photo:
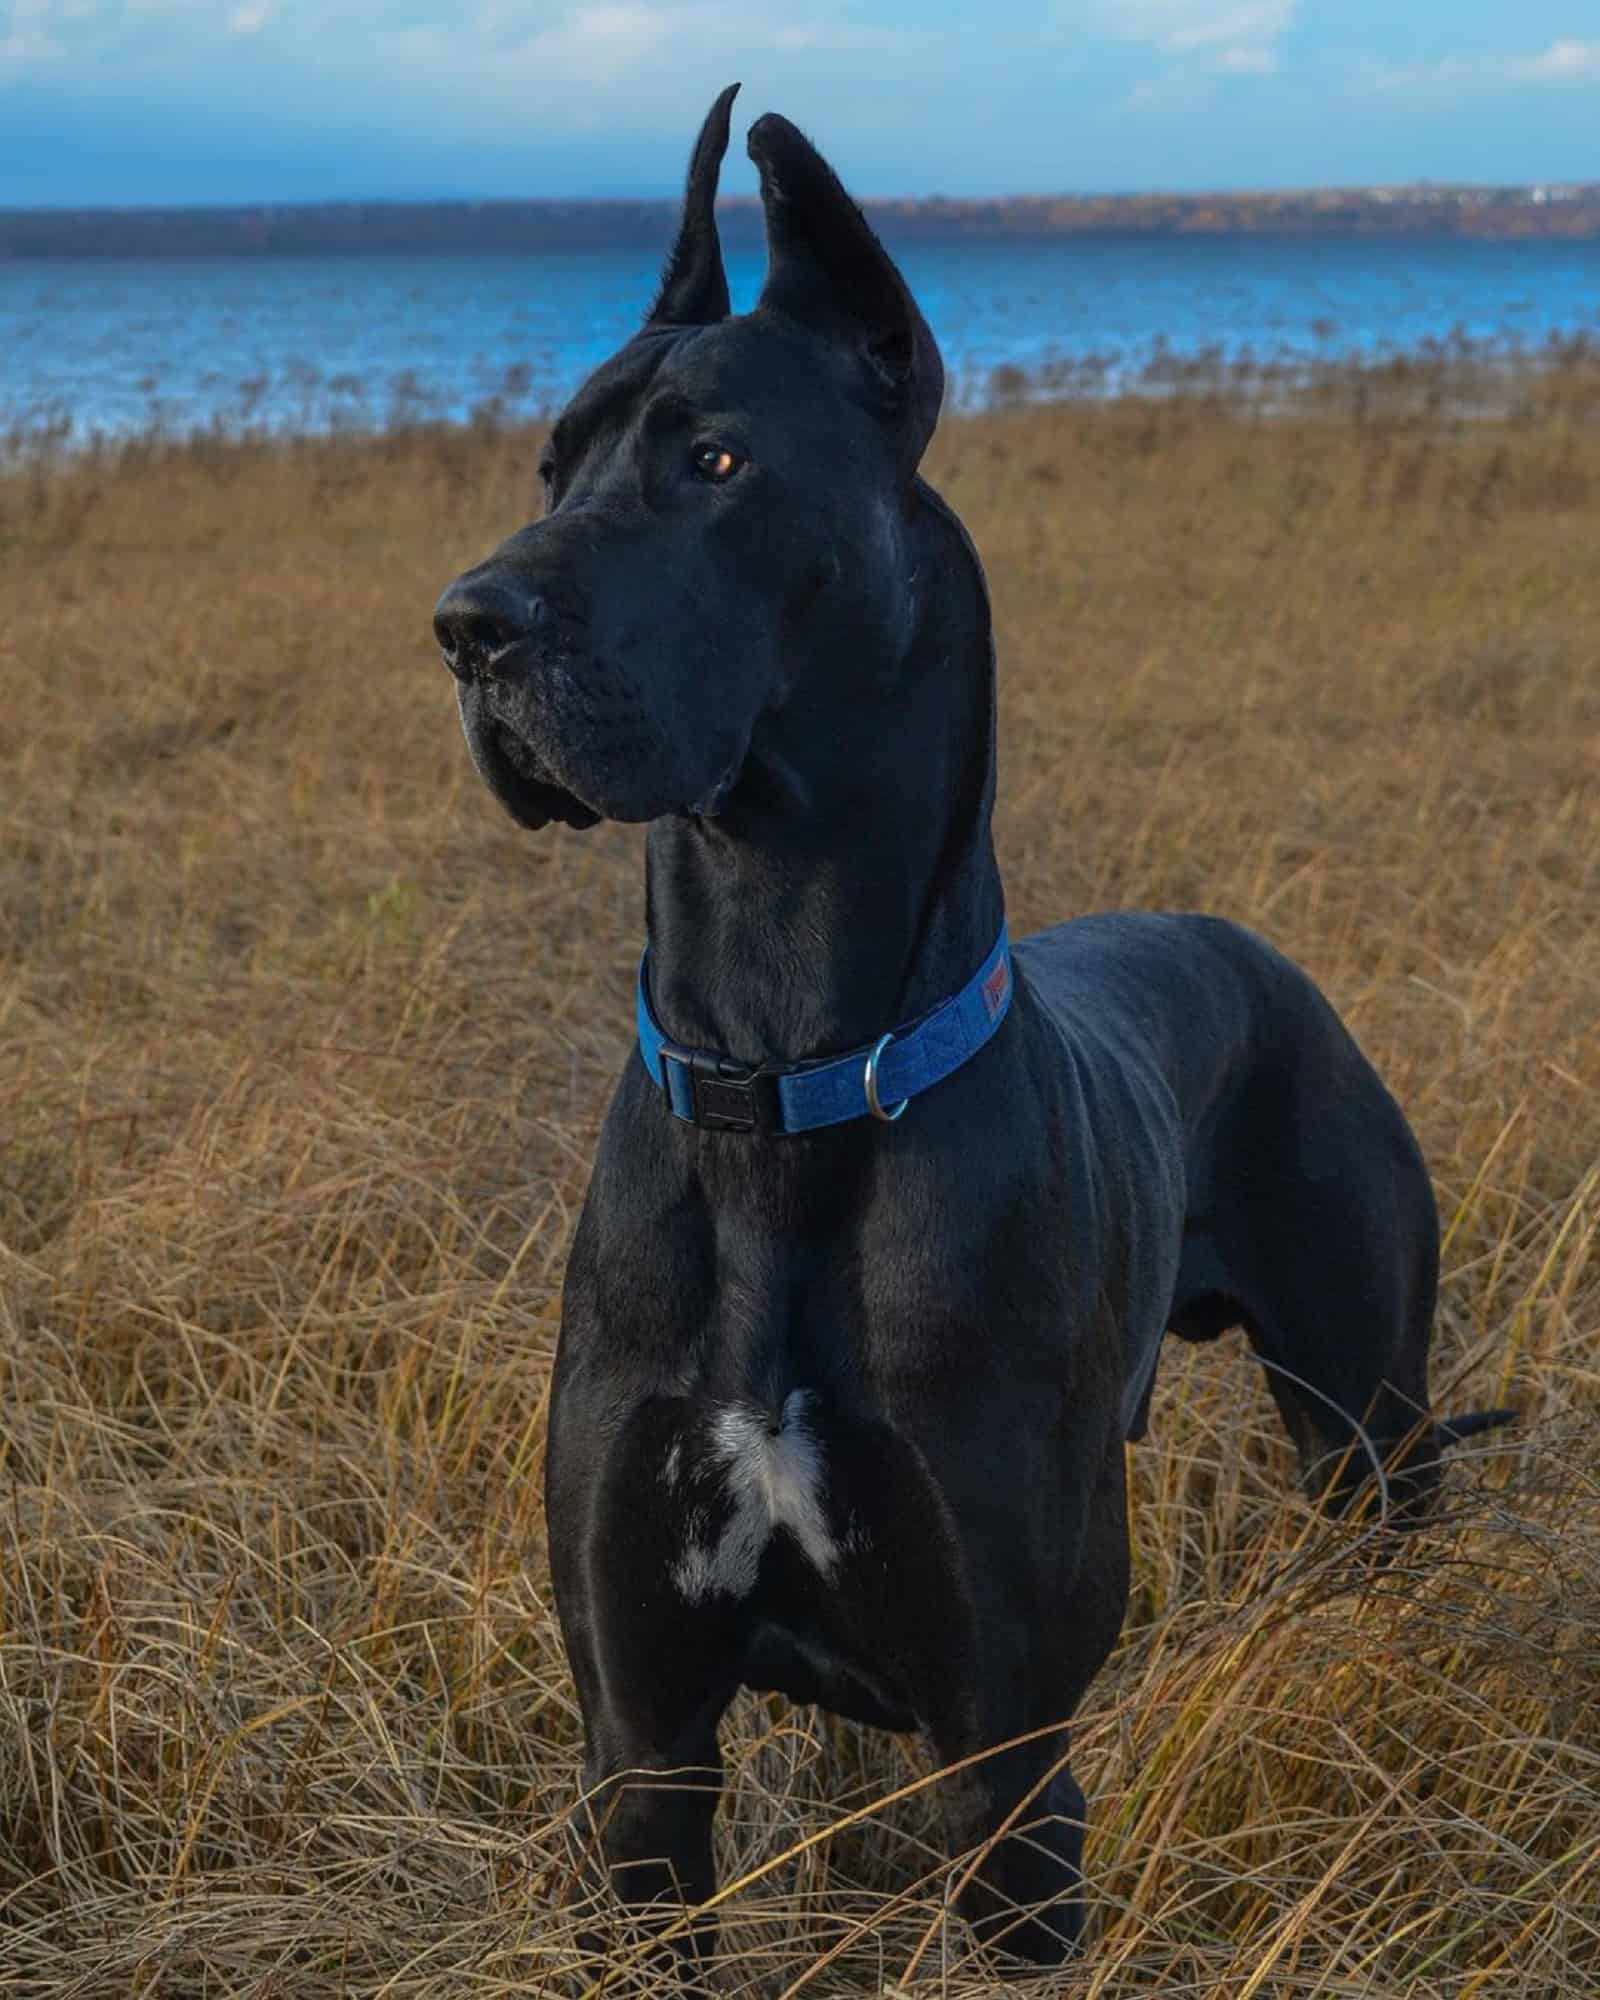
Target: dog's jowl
[888,1218]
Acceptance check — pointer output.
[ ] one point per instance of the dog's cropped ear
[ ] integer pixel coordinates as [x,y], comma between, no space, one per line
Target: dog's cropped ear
[827,270]
[694,288]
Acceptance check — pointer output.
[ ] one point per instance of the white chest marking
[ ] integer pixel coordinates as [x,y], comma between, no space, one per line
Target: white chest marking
[773,1480]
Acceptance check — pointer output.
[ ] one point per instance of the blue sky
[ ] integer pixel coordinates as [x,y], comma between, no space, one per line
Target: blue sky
[114,101]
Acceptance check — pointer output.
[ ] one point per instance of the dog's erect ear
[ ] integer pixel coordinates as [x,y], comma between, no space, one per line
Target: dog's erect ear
[828,270]
[694,288]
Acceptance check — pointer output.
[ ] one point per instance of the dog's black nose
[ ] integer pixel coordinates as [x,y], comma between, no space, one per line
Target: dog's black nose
[478,619]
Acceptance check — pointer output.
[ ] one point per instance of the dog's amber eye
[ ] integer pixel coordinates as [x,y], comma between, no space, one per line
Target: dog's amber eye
[715,462]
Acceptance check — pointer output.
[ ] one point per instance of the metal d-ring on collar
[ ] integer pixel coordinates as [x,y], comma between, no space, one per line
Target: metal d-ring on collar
[717,1092]
[869,1077]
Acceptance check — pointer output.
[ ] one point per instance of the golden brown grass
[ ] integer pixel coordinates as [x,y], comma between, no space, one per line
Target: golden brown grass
[302,1052]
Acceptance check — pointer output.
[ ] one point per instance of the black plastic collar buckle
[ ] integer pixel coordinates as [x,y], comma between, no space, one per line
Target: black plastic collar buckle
[726,1096]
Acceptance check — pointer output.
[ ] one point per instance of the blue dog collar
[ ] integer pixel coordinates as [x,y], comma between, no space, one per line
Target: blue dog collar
[705,1088]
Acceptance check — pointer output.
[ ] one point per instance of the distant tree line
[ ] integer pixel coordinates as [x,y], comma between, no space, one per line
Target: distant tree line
[300,228]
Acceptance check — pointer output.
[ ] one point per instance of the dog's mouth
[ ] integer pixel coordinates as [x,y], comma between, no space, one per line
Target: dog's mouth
[608,762]
[513,770]
[540,798]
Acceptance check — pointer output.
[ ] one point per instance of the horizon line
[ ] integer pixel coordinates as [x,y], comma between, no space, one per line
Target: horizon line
[932,198]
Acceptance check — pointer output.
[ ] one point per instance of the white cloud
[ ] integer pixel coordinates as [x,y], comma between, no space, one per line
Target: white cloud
[1236,37]
[584,41]
[838,35]
[45,34]
[590,64]
[1564,61]
[1174,26]
[596,44]
[489,74]
[1418,76]
[570,42]
[1246,61]
[600,41]
[29,40]
[1167,90]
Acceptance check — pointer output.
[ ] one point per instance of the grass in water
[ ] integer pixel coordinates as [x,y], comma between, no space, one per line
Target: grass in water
[303,1048]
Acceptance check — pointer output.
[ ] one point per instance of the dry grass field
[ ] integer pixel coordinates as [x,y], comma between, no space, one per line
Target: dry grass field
[303,1047]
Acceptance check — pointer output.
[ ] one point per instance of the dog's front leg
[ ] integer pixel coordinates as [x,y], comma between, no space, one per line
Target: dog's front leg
[1016,1816]
[1016,1828]
[648,1819]
[655,1664]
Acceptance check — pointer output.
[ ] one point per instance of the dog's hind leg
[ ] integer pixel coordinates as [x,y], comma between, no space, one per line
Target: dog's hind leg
[1320,1237]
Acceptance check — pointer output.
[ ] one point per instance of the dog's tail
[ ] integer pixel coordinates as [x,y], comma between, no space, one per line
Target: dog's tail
[1456,1430]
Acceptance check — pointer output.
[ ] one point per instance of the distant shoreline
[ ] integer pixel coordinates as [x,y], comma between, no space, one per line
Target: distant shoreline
[1439,382]
[1569,210]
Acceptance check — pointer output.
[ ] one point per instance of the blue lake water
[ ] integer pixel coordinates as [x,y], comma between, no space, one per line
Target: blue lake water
[319,342]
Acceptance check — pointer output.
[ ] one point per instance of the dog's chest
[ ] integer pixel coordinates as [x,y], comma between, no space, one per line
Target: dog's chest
[740,1269]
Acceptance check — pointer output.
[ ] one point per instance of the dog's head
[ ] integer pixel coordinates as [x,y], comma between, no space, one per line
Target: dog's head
[725,501]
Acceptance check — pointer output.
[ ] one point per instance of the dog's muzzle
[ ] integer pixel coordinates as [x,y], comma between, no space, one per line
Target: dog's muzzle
[486,629]
[562,728]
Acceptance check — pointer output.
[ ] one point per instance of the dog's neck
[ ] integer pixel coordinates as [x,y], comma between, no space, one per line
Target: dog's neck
[850,882]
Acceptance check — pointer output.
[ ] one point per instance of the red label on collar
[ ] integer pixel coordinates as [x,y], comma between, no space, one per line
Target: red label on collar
[995,988]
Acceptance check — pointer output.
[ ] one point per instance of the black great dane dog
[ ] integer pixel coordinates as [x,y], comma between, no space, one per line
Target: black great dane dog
[887,1222]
